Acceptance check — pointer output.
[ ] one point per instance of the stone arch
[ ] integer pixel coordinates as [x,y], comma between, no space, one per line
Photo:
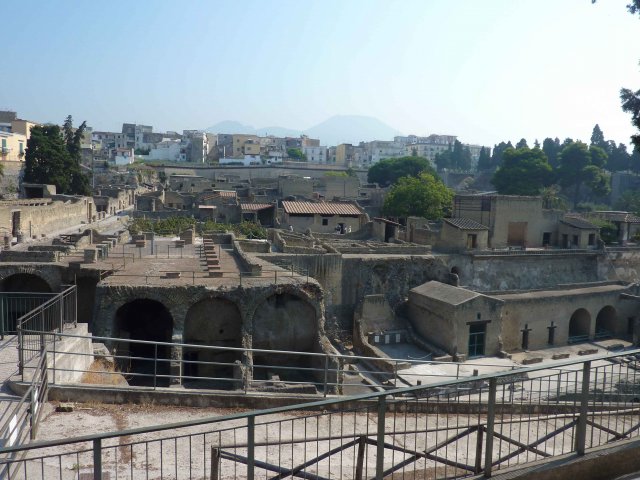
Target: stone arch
[213,322]
[25,282]
[284,321]
[579,325]
[606,322]
[148,320]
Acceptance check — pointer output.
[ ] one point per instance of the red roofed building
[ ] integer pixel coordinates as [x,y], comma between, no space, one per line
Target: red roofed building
[323,217]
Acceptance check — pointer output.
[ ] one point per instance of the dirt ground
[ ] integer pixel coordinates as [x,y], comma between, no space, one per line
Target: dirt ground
[186,452]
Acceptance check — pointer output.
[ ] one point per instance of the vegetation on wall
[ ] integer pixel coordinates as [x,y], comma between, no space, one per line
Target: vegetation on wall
[388,171]
[177,225]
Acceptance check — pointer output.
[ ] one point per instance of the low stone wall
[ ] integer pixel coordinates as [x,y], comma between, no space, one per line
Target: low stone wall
[50,248]
[254,246]
[247,263]
[29,257]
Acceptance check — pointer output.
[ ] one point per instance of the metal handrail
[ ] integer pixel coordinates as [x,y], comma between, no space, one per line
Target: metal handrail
[398,393]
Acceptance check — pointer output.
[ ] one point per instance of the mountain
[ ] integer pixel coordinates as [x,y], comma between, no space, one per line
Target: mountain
[229,126]
[351,129]
[333,131]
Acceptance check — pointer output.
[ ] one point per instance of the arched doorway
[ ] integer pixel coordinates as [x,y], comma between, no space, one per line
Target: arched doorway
[147,320]
[606,322]
[284,322]
[579,326]
[20,293]
[212,322]
[25,282]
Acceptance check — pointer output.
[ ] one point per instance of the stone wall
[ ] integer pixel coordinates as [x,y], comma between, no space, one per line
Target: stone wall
[525,271]
[10,181]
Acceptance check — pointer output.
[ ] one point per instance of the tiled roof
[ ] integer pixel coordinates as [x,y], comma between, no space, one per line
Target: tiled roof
[255,207]
[465,224]
[625,217]
[219,194]
[322,208]
[444,293]
[576,222]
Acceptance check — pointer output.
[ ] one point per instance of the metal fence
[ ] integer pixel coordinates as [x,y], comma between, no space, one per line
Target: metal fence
[38,327]
[161,364]
[19,423]
[15,304]
[453,428]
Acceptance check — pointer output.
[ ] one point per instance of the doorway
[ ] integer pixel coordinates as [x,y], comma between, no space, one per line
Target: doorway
[477,334]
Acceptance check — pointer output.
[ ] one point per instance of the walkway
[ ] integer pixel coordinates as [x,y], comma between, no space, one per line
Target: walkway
[8,367]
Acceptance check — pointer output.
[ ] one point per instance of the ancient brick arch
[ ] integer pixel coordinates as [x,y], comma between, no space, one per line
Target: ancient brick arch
[212,321]
[145,320]
[27,279]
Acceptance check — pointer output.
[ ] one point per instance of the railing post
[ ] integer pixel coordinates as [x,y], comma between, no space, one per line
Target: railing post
[491,416]
[326,372]
[215,463]
[362,446]
[478,466]
[155,365]
[32,411]
[41,329]
[581,427]
[20,351]
[382,410]
[54,359]
[97,459]
[251,443]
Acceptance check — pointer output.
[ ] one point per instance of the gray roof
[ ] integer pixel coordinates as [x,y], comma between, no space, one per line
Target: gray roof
[445,293]
[576,222]
[465,224]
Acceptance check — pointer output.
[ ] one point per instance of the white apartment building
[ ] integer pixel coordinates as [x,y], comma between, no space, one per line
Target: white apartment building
[315,154]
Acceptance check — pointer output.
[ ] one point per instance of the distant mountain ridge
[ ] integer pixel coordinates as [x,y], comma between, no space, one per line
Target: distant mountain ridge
[333,131]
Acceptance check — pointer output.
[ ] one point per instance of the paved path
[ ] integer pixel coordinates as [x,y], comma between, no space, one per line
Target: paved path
[8,366]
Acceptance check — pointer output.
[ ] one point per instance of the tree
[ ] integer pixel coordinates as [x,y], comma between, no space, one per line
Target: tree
[444,160]
[484,160]
[580,165]
[297,154]
[551,148]
[597,137]
[631,104]
[387,172]
[498,150]
[422,196]
[522,144]
[618,158]
[53,157]
[629,202]
[523,171]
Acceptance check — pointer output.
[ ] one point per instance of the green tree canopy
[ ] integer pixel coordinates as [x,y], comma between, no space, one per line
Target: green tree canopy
[484,159]
[297,154]
[551,148]
[522,144]
[581,165]
[53,157]
[422,196]
[498,150]
[523,171]
[387,172]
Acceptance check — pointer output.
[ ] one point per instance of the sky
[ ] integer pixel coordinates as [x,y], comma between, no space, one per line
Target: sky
[486,71]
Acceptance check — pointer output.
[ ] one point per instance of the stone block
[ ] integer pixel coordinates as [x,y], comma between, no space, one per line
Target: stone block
[588,351]
[172,274]
[215,274]
[90,255]
[531,360]
[560,356]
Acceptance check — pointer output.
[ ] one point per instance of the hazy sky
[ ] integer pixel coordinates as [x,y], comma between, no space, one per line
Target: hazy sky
[485,70]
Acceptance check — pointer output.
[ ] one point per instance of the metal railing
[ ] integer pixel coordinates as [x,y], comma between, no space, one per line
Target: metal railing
[38,327]
[453,428]
[15,304]
[19,423]
[244,370]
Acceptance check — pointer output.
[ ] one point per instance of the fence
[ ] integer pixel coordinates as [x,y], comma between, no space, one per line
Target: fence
[453,428]
[39,326]
[19,423]
[15,304]
[160,364]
